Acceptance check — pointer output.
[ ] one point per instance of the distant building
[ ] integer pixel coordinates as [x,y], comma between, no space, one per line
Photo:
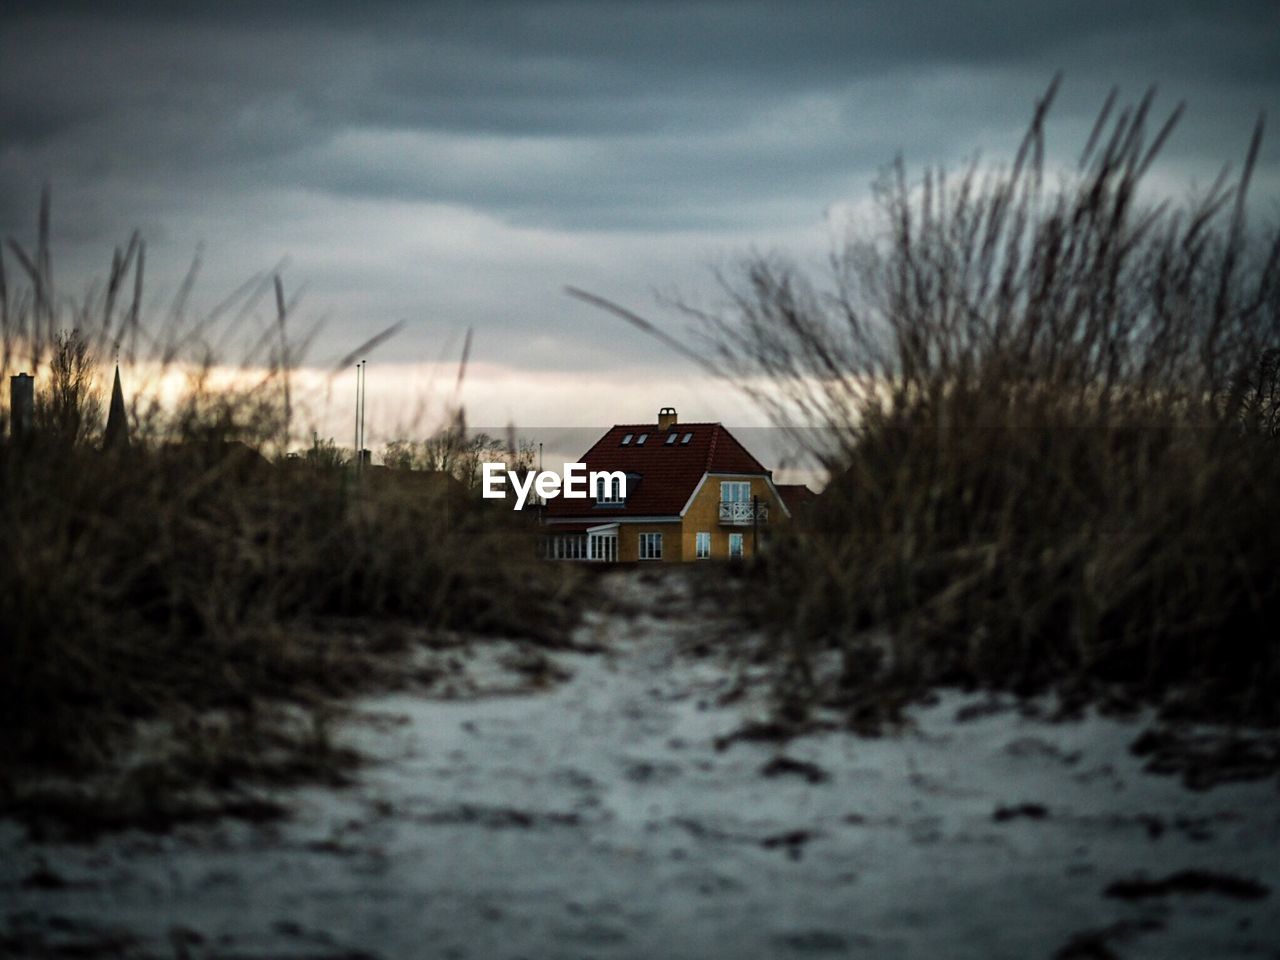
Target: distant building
[21,405]
[797,497]
[693,492]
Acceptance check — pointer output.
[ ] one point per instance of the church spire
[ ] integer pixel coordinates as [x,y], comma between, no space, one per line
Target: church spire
[117,432]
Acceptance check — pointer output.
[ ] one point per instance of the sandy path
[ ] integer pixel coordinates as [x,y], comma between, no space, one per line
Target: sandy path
[598,820]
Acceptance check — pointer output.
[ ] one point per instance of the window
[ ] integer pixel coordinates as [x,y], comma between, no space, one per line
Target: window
[687,438]
[641,439]
[703,545]
[608,490]
[735,545]
[626,439]
[567,547]
[603,546]
[737,505]
[650,546]
[671,437]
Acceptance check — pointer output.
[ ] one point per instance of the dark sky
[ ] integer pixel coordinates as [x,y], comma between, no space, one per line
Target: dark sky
[456,165]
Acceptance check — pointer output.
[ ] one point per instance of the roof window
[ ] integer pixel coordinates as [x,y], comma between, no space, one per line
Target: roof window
[626,439]
[641,439]
[687,438]
[671,437]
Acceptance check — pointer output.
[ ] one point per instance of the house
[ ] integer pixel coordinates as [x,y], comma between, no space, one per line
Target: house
[693,492]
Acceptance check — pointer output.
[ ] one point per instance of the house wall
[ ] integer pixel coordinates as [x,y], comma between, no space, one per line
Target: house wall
[704,514]
[629,541]
[679,539]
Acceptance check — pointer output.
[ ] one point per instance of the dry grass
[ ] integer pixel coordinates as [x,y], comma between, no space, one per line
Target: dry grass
[193,585]
[1056,449]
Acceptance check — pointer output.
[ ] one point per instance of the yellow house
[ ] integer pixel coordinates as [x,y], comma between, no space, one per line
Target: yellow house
[693,492]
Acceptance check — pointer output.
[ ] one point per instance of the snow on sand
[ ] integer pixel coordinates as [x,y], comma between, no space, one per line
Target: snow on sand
[598,819]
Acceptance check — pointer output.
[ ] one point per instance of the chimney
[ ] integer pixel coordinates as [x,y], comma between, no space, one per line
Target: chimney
[666,418]
[22,394]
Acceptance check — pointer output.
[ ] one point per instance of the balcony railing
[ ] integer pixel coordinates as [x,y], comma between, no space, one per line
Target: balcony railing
[743,513]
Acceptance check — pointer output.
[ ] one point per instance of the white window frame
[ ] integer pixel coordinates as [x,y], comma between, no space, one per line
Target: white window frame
[650,546]
[735,491]
[702,544]
[736,546]
[567,546]
[603,547]
[613,496]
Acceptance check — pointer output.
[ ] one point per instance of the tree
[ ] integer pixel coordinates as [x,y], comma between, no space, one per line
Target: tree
[326,454]
[451,451]
[1258,393]
[70,408]
[401,455]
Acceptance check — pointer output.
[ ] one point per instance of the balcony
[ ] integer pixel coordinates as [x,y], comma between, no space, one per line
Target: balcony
[743,513]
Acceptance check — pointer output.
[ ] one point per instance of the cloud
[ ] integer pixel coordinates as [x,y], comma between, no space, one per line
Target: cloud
[456,164]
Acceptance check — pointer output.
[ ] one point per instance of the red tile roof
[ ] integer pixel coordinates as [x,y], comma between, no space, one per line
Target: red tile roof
[668,472]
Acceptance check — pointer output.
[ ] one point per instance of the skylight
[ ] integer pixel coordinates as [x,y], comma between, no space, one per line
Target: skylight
[641,439]
[671,437]
[626,439]
[687,438]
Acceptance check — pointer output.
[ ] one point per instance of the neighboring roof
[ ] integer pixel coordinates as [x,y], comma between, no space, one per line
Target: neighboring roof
[427,483]
[795,495]
[661,476]
[231,456]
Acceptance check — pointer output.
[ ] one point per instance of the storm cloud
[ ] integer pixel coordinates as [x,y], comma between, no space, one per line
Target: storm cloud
[455,165]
